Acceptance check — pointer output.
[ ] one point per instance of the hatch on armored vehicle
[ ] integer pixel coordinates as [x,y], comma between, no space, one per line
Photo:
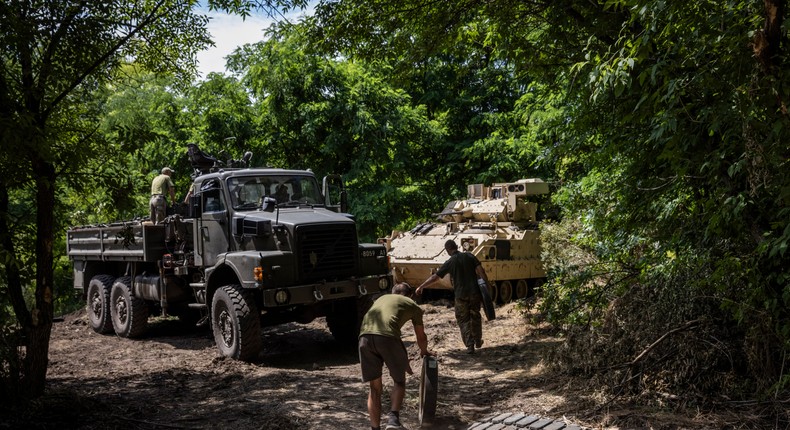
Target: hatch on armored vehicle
[497,223]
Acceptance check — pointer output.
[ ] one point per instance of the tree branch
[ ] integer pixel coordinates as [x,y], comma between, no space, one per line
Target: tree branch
[104,57]
[647,350]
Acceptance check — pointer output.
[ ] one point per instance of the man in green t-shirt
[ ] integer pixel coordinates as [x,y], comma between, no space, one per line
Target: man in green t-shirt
[380,343]
[161,186]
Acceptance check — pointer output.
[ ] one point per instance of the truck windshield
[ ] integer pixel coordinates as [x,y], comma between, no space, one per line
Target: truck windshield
[247,192]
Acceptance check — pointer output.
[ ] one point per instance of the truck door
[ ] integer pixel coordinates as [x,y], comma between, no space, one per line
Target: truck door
[212,234]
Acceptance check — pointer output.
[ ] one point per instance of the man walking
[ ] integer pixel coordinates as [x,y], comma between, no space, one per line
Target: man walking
[465,270]
[380,343]
[161,185]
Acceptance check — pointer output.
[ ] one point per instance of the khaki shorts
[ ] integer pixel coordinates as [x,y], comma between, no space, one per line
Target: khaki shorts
[376,350]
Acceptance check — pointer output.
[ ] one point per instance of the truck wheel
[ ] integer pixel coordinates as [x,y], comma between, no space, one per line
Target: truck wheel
[345,319]
[236,323]
[98,303]
[505,292]
[129,313]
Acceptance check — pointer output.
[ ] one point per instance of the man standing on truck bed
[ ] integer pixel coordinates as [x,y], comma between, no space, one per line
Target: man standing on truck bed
[158,205]
[380,343]
[465,270]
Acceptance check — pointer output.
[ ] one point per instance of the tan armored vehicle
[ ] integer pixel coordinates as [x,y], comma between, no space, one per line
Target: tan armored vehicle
[497,224]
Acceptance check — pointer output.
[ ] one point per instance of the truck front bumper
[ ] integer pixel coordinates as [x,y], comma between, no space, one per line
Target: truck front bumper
[317,292]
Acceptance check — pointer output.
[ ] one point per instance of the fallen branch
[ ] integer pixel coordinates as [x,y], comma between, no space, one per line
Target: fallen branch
[647,350]
[628,377]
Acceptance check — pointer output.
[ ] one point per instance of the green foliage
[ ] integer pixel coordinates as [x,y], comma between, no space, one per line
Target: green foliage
[58,56]
[664,125]
[661,124]
[332,116]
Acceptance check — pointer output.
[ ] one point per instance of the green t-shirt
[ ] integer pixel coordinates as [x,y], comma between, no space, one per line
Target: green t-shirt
[389,313]
[162,185]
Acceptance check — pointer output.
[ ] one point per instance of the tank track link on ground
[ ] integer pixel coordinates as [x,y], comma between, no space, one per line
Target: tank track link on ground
[518,421]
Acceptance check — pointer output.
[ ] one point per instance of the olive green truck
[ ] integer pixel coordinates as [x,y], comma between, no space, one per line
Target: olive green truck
[254,247]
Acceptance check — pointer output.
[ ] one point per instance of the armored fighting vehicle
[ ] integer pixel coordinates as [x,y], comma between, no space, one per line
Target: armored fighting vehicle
[257,246]
[497,223]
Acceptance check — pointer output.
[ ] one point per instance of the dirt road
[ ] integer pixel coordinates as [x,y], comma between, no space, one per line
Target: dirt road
[175,378]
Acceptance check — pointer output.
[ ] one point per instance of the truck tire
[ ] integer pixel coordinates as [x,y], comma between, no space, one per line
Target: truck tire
[98,303]
[236,323]
[345,319]
[129,313]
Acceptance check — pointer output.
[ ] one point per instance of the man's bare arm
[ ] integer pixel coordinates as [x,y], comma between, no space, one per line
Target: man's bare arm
[422,340]
[431,279]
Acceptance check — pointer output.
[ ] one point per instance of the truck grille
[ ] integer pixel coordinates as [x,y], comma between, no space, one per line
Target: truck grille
[326,251]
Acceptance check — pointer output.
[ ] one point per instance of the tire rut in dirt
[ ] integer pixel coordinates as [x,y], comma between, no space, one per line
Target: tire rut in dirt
[236,323]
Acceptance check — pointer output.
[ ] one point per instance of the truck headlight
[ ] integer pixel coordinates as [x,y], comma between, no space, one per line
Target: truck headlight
[281,296]
[384,283]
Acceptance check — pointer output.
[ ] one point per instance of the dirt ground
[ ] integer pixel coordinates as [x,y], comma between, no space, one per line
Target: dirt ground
[174,378]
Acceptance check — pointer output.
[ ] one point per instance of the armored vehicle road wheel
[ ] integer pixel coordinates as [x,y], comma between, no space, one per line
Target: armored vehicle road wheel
[98,303]
[505,292]
[236,323]
[429,389]
[129,313]
[522,289]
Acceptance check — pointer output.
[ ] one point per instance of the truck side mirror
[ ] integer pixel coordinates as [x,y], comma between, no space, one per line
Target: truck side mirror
[343,201]
[268,204]
[335,196]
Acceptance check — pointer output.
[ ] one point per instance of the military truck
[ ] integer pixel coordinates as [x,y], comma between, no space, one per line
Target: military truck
[256,247]
[497,223]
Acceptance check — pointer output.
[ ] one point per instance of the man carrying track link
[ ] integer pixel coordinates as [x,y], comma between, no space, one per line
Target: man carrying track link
[380,343]
[467,275]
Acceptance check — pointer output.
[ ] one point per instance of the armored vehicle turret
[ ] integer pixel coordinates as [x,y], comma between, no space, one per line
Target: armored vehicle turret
[497,223]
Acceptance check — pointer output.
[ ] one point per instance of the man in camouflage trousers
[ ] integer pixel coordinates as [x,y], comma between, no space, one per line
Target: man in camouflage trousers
[465,270]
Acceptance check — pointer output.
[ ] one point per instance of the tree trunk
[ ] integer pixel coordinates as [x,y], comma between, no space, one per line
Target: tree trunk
[767,42]
[12,273]
[38,332]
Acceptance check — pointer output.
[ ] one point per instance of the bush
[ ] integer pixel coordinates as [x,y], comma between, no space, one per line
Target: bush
[660,326]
